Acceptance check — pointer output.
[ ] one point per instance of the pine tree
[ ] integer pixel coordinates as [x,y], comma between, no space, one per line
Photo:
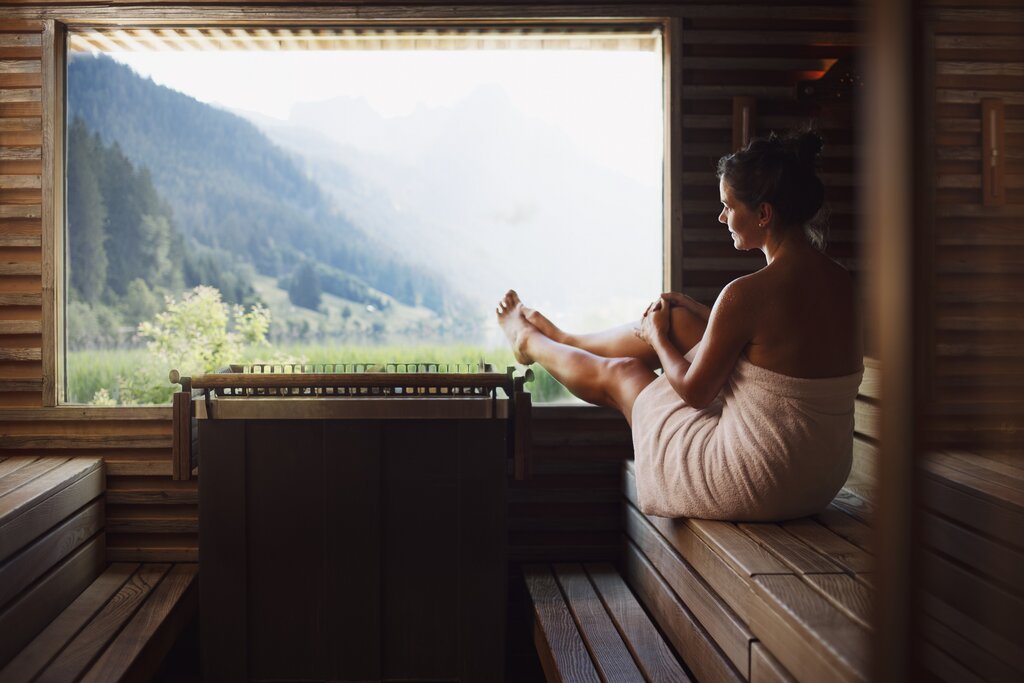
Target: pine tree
[87,213]
[304,287]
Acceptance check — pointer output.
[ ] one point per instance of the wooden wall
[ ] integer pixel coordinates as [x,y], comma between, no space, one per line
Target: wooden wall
[570,509]
[978,271]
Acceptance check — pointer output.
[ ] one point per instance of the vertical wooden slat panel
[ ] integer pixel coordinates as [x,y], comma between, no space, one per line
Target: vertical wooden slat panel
[54,55]
[672,279]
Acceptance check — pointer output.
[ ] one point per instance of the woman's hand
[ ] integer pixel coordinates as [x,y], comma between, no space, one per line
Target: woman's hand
[655,323]
[689,303]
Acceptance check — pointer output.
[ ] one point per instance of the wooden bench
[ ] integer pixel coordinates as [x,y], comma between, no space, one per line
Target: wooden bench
[588,626]
[973,566]
[62,615]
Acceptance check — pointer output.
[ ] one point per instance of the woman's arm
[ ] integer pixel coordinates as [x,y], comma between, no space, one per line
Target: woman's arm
[730,329]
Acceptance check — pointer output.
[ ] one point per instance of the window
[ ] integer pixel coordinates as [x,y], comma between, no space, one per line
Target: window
[343,195]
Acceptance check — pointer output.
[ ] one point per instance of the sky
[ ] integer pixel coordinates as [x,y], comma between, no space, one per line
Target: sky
[610,95]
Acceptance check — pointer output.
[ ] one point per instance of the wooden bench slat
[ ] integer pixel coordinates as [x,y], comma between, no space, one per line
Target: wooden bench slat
[15,462]
[1009,650]
[835,547]
[846,593]
[982,600]
[80,653]
[136,648]
[35,608]
[45,485]
[22,476]
[1000,562]
[563,653]
[649,650]
[609,654]
[766,669]
[995,472]
[41,651]
[974,510]
[688,637]
[746,556]
[995,492]
[49,508]
[790,549]
[729,632]
[974,657]
[836,641]
[21,570]
[945,668]
[847,526]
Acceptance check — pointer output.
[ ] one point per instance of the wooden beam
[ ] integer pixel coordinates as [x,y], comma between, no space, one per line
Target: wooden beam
[54,56]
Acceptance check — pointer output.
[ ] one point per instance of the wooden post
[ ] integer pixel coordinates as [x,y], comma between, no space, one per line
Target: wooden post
[893,214]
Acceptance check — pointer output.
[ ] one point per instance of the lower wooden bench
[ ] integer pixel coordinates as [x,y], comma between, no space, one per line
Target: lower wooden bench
[62,616]
[119,629]
[588,626]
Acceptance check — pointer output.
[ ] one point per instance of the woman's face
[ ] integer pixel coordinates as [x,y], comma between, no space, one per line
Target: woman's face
[741,219]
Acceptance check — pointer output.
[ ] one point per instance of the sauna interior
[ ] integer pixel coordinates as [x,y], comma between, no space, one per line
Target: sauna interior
[489,539]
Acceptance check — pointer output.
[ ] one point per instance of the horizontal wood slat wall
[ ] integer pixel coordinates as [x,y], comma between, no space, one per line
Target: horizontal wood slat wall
[978,273]
[21,199]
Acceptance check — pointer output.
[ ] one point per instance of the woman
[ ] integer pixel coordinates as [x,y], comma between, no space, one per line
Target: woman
[752,416]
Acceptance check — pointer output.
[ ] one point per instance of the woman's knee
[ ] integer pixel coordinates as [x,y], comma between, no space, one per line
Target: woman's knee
[687,328]
[628,377]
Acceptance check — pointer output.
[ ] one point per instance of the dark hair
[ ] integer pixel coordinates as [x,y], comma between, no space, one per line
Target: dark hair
[780,170]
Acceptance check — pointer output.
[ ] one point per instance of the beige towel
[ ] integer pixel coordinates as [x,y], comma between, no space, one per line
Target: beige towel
[769,447]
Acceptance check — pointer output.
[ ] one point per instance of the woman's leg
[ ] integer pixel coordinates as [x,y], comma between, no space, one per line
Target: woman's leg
[614,382]
[622,342]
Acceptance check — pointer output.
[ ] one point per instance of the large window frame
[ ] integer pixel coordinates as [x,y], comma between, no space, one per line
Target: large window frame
[57,24]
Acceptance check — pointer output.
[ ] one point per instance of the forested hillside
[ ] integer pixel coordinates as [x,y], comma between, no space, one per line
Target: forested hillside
[216,195]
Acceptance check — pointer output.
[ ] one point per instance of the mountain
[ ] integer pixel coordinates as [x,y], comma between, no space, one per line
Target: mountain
[481,189]
[231,190]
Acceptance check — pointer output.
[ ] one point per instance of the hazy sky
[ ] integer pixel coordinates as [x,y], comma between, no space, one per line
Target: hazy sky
[590,94]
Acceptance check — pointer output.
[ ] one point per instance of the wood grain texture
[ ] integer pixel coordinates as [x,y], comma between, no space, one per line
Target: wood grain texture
[82,650]
[46,646]
[790,549]
[729,632]
[139,648]
[766,669]
[21,620]
[836,643]
[684,632]
[20,571]
[655,659]
[608,652]
[837,549]
[558,636]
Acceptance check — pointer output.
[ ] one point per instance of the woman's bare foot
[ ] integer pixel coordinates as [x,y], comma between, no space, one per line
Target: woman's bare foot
[515,325]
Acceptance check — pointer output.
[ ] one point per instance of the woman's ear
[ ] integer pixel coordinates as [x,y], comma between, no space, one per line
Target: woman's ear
[765,212]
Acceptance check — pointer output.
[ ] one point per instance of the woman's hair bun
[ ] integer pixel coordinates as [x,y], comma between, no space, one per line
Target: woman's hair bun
[808,147]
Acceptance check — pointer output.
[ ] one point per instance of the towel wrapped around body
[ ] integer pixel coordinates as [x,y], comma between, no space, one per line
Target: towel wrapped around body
[769,447]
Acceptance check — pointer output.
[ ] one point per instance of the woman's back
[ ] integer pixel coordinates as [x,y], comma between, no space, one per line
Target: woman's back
[805,312]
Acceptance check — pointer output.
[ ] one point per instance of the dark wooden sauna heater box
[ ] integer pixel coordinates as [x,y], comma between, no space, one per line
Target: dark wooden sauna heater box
[352,522]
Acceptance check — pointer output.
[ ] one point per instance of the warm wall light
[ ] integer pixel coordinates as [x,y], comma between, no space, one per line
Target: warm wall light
[993,158]
[743,112]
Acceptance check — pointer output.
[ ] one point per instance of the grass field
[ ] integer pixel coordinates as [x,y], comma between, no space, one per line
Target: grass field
[90,371]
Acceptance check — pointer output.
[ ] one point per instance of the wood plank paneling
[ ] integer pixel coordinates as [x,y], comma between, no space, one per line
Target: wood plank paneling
[979,54]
